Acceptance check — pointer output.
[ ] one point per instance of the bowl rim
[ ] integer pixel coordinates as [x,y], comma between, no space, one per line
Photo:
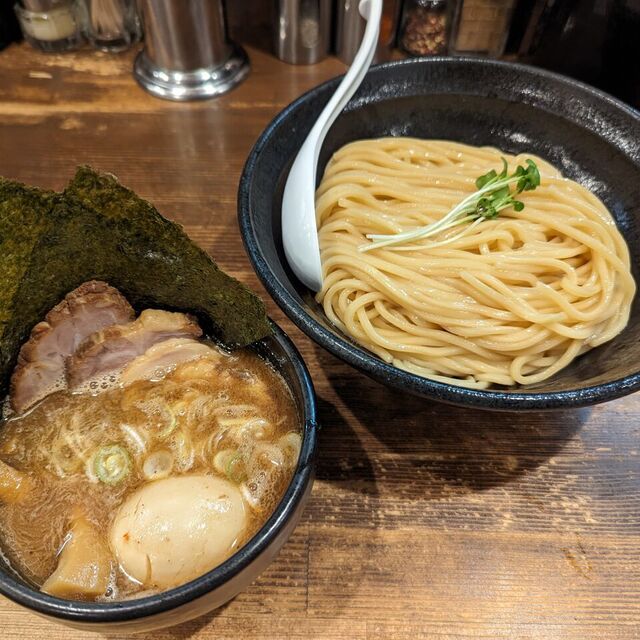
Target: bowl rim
[359,357]
[129,610]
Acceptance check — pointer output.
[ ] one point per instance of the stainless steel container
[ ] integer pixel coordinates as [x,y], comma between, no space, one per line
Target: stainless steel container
[302,30]
[350,27]
[188,54]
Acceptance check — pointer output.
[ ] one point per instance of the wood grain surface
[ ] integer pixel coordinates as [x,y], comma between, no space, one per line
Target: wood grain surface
[426,521]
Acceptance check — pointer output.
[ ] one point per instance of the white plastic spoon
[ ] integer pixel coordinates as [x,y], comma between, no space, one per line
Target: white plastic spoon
[299,229]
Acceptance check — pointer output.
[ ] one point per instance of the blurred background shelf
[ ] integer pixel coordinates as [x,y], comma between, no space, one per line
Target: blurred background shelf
[595,41]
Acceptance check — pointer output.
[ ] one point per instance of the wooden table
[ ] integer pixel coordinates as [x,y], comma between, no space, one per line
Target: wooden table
[426,521]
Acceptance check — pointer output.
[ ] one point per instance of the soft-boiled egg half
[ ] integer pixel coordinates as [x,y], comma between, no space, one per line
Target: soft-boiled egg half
[173,530]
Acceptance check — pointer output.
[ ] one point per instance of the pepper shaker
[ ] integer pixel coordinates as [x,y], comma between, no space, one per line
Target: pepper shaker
[188,54]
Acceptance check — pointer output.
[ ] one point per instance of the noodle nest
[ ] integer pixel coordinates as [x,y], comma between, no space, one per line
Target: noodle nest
[513,301]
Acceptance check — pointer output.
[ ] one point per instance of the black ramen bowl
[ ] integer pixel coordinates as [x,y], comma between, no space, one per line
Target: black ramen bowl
[221,584]
[590,136]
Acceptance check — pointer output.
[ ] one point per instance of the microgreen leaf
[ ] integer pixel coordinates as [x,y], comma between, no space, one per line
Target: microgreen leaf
[482,181]
[500,194]
[529,178]
[534,174]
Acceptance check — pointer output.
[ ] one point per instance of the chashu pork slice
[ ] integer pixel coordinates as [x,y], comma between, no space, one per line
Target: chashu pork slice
[91,307]
[162,358]
[115,347]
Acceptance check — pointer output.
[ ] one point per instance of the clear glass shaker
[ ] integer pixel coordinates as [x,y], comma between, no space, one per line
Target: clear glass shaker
[52,25]
[113,25]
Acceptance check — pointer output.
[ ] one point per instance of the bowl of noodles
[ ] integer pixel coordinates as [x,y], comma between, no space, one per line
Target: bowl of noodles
[478,232]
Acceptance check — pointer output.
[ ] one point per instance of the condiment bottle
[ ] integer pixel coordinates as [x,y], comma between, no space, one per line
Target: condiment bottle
[424,28]
[481,27]
[113,25]
[52,25]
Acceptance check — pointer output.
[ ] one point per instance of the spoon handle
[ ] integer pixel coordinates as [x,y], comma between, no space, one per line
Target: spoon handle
[371,10]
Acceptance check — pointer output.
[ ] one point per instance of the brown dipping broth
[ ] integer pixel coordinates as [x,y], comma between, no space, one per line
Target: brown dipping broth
[233,417]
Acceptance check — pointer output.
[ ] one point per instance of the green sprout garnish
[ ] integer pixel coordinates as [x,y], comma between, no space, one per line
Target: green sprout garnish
[493,195]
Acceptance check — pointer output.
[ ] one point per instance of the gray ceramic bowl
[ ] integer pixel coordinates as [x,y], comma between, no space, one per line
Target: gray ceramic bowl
[225,581]
[590,136]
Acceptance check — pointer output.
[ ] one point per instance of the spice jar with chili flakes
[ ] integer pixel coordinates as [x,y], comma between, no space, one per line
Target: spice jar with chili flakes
[424,29]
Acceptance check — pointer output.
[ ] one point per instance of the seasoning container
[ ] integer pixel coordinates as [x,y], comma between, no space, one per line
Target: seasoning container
[188,54]
[113,25]
[481,27]
[350,26]
[302,30]
[52,25]
[424,29]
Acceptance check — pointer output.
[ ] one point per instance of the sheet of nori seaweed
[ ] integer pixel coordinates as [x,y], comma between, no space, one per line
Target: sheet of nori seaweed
[25,216]
[153,262]
[97,229]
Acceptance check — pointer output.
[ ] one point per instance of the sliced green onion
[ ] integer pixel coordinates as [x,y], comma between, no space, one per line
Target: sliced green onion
[135,437]
[172,422]
[270,454]
[112,464]
[220,460]
[291,443]
[258,427]
[231,469]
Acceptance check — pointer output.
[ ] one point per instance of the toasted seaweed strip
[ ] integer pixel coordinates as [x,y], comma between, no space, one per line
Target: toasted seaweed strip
[152,261]
[24,219]
[97,229]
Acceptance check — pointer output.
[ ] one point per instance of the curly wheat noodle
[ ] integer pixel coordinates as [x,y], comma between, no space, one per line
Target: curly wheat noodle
[512,301]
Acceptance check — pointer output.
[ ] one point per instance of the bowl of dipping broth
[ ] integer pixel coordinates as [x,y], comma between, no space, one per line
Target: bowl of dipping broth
[162,495]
